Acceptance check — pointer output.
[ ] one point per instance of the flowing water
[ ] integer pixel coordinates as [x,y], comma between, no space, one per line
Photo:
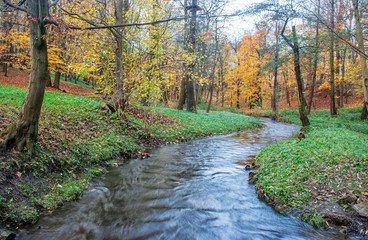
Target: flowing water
[194,190]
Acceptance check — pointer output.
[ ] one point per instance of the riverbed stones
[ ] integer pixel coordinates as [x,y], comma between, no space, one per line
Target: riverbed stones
[361,209]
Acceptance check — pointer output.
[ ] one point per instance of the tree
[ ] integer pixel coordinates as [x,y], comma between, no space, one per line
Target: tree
[315,60]
[24,132]
[295,47]
[276,69]
[188,77]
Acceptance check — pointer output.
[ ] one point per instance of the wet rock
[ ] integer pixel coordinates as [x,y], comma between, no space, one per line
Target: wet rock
[7,234]
[361,209]
[347,199]
[248,167]
[337,219]
[251,175]
[301,135]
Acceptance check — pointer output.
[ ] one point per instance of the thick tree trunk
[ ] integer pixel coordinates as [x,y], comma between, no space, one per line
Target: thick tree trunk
[191,106]
[57,80]
[24,132]
[119,99]
[363,60]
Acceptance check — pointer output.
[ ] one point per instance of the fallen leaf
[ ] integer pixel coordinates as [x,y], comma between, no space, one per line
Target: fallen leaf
[19,174]
[320,198]
[365,194]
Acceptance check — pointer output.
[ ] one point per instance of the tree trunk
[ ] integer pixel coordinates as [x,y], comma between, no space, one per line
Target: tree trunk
[338,73]
[57,80]
[24,132]
[191,106]
[183,95]
[363,60]
[5,69]
[48,79]
[333,110]
[342,79]
[287,91]
[276,69]
[119,98]
[238,95]
[183,85]
[315,62]
[295,46]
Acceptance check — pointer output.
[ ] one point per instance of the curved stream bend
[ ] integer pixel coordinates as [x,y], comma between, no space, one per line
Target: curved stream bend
[194,190]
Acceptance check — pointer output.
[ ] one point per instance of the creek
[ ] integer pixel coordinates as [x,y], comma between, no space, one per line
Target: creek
[193,190]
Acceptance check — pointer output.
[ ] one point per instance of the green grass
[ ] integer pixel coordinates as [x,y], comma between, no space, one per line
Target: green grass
[331,159]
[201,124]
[78,140]
[348,118]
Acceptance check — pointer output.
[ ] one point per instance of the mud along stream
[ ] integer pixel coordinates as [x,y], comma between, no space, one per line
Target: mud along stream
[194,190]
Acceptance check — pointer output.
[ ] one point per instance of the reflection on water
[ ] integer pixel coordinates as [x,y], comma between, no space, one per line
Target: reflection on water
[195,190]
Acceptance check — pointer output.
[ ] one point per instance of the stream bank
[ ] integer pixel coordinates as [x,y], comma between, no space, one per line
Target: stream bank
[322,175]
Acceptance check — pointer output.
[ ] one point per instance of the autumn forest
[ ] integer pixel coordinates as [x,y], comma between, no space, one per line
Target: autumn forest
[158,72]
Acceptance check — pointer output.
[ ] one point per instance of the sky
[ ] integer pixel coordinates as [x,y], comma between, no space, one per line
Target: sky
[236,27]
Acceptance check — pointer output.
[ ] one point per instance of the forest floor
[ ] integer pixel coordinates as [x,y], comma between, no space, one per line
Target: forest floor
[79,140]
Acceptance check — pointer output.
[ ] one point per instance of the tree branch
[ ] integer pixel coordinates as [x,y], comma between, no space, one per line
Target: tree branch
[15,6]
[283,36]
[355,48]
[53,3]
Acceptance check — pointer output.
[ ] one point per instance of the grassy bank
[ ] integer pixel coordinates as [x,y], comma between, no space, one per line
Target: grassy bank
[78,140]
[322,177]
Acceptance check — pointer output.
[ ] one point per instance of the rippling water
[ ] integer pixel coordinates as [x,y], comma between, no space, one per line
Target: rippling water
[194,190]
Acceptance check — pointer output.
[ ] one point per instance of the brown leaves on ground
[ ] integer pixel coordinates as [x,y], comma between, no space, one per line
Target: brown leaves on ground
[20,79]
[149,117]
